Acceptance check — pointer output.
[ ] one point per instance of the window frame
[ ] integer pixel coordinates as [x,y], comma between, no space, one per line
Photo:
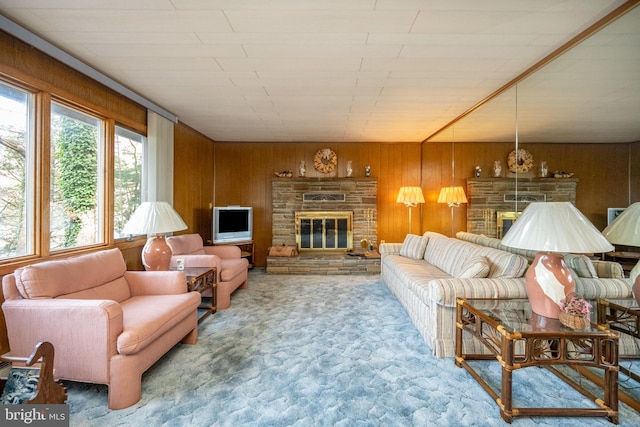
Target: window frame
[42,95]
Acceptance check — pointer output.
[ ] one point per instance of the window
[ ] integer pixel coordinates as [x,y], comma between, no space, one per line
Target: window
[76,206]
[129,148]
[16,177]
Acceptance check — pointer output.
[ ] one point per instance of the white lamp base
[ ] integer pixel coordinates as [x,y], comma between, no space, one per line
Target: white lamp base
[156,254]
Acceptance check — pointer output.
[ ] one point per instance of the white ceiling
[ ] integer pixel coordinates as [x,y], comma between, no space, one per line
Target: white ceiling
[350,70]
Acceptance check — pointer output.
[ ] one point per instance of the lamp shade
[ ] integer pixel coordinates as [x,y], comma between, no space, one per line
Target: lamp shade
[555,227]
[154,218]
[625,229]
[452,196]
[552,227]
[410,196]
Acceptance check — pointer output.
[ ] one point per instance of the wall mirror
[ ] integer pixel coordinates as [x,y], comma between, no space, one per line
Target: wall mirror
[590,93]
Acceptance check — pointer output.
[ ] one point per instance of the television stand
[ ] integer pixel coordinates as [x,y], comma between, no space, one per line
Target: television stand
[246,247]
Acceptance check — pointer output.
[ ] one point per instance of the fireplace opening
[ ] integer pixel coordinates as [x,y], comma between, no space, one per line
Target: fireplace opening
[324,230]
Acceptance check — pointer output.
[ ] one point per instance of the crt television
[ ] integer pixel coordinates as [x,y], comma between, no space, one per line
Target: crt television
[232,224]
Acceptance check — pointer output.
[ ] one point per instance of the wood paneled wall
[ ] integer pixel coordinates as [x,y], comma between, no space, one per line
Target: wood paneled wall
[243,173]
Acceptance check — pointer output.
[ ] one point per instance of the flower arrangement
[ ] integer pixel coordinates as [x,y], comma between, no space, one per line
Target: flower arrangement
[575,311]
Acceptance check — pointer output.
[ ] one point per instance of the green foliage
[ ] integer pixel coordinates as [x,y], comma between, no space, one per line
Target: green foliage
[76,158]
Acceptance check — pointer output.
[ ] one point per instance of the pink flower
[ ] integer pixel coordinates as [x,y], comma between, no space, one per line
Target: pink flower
[576,305]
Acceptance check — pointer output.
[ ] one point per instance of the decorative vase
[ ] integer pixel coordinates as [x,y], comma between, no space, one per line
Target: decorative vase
[548,281]
[544,170]
[302,168]
[497,169]
[349,170]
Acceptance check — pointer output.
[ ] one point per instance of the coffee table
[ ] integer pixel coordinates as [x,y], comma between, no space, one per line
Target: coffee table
[514,337]
[622,315]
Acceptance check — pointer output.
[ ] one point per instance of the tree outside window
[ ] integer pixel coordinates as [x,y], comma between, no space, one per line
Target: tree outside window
[16,181]
[128,176]
[76,179]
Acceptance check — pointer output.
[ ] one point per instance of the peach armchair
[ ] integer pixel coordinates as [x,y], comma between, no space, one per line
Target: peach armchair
[232,269]
[107,325]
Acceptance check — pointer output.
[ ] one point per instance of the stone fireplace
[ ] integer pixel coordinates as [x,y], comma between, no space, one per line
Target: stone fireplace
[495,203]
[328,220]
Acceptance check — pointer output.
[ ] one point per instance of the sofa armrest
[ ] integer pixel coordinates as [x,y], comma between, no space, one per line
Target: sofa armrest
[83,332]
[446,291]
[592,289]
[608,269]
[156,282]
[389,248]
[224,251]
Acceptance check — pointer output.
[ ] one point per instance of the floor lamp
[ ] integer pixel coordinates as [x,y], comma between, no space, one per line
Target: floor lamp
[410,196]
[453,197]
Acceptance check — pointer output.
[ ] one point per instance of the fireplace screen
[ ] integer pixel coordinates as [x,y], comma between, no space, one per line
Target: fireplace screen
[324,230]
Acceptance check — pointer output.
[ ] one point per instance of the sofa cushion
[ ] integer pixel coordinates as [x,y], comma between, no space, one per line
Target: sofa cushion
[413,246]
[581,264]
[51,279]
[608,269]
[476,266]
[146,318]
[450,254]
[186,244]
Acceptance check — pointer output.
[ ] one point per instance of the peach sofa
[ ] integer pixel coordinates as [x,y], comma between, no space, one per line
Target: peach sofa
[232,270]
[108,325]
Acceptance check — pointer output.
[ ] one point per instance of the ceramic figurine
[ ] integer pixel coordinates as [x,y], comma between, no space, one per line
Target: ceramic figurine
[349,170]
[497,169]
[367,170]
[544,170]
[478,171]
[303,168]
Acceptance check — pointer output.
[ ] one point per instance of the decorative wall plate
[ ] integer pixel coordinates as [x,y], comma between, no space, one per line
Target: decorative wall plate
[521,162]
[325,160]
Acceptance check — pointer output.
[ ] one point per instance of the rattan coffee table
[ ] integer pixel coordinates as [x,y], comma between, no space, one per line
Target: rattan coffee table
[509,334]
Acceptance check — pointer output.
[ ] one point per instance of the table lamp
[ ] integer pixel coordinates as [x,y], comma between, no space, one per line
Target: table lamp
[155,219]
[625,230]
[453,197]
[552,228]
[410,196]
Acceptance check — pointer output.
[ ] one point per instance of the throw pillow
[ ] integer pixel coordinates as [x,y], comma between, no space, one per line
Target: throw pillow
[413,246]
[581,264]
[21,386]
[474,267]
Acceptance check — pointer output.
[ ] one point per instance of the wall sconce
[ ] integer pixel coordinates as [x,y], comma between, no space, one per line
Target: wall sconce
[410,196]
[453,197]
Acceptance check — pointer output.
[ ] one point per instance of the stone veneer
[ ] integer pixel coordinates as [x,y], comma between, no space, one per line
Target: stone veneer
[361,195]
[486,197]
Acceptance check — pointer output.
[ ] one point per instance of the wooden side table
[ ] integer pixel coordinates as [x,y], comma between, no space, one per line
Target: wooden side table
[200,279]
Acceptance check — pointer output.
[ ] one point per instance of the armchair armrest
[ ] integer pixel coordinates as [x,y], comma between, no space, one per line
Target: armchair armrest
[156,282]
[224,251]
[83,332]
[389,248]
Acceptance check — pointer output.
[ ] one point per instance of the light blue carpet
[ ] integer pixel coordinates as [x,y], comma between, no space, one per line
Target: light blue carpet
[317,351]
